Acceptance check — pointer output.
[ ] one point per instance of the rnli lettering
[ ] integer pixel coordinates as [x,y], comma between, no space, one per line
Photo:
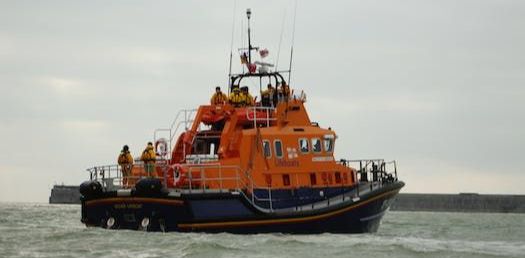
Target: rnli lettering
[128,206]
[321,159]
[286,163]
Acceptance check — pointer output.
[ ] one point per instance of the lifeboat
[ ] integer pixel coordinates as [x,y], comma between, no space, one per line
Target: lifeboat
[244,168]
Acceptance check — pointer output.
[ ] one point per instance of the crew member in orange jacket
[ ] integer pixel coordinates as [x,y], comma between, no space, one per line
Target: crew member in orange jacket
[125,160]
[218,97]
[149,157]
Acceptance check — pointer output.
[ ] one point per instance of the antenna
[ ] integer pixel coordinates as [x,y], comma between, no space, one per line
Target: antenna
[249,15]
[231,45]
[280,41]
[291,48]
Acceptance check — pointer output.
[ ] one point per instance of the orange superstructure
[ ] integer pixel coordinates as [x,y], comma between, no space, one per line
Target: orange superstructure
[277,147]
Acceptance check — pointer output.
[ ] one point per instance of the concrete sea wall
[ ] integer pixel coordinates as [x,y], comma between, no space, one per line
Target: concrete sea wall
[65,194]
[463,202]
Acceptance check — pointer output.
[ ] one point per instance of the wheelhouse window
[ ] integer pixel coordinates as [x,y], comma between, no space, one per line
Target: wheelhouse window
[328,143]
[303,145]
[316,145]
[266,149]
[278,145]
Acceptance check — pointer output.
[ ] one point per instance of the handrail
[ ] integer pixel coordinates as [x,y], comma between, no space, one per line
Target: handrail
[175,125]
[376,172]
[269,113]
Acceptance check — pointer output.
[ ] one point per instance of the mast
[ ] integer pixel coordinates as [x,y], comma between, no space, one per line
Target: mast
[249,15]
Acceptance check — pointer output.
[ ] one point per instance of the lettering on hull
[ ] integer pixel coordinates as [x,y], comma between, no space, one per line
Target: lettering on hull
[286,163]
[322,159]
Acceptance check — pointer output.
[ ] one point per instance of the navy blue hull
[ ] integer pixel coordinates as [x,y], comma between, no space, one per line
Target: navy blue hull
[235,214]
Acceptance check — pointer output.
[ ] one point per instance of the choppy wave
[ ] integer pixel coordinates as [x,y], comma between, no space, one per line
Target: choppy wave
[42,230]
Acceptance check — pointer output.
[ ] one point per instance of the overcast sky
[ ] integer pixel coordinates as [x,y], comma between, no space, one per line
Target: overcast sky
[437,85]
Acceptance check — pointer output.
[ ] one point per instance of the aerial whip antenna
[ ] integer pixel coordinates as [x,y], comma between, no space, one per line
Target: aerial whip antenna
[291,49]
[249,15]
[231,45]
[280,41]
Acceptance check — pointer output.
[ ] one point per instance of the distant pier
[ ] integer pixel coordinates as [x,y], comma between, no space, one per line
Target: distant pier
[65,194]
[463,202]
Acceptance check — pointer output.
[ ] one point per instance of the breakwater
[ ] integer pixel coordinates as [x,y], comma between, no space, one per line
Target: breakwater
[65,194]
[463,202]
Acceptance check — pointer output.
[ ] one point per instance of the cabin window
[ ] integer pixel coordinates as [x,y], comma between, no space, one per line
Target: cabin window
[278,148]
[328,144]
[313,179]
[266,149]
[286,180]
[337,177]
[316,145]
[303,145]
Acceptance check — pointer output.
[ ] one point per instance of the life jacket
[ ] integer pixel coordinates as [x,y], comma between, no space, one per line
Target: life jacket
[236,99]
[125,158]
[219,99]
[148,155]
[247,100]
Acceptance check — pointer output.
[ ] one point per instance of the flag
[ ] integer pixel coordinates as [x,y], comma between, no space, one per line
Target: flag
[264,53]
[252,68]
[244,58]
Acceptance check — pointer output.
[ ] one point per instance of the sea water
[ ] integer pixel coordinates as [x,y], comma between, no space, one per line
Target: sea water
[43,230]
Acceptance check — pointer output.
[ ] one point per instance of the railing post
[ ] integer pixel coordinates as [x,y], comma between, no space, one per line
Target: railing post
[254,117]
[358,190]
[203,179]
[395,169]
[252,190]
[270,197]
[190,177]
[267,117]
[360,170]
[220,178]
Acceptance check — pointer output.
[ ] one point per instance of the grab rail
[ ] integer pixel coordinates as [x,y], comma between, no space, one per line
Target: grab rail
[174,129]
[269,111]
[376,172]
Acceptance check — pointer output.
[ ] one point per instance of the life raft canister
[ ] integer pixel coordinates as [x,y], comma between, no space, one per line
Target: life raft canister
[161,147]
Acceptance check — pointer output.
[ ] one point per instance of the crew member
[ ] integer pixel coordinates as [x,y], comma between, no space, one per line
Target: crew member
[149,157]
[267,96]
[375,172]
[236,98]
[283,92]
[218,97]
[125,160]
[247,98]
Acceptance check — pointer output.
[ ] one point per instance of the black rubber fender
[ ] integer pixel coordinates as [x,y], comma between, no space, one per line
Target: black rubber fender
[148,187]
[90,189]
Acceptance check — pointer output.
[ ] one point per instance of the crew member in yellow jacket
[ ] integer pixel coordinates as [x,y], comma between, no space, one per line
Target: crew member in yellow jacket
[236,98]
[218,97]
[247,99]
[149,157]
[125,160]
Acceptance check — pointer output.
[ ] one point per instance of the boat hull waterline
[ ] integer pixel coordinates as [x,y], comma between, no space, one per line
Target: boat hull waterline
[198,213]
